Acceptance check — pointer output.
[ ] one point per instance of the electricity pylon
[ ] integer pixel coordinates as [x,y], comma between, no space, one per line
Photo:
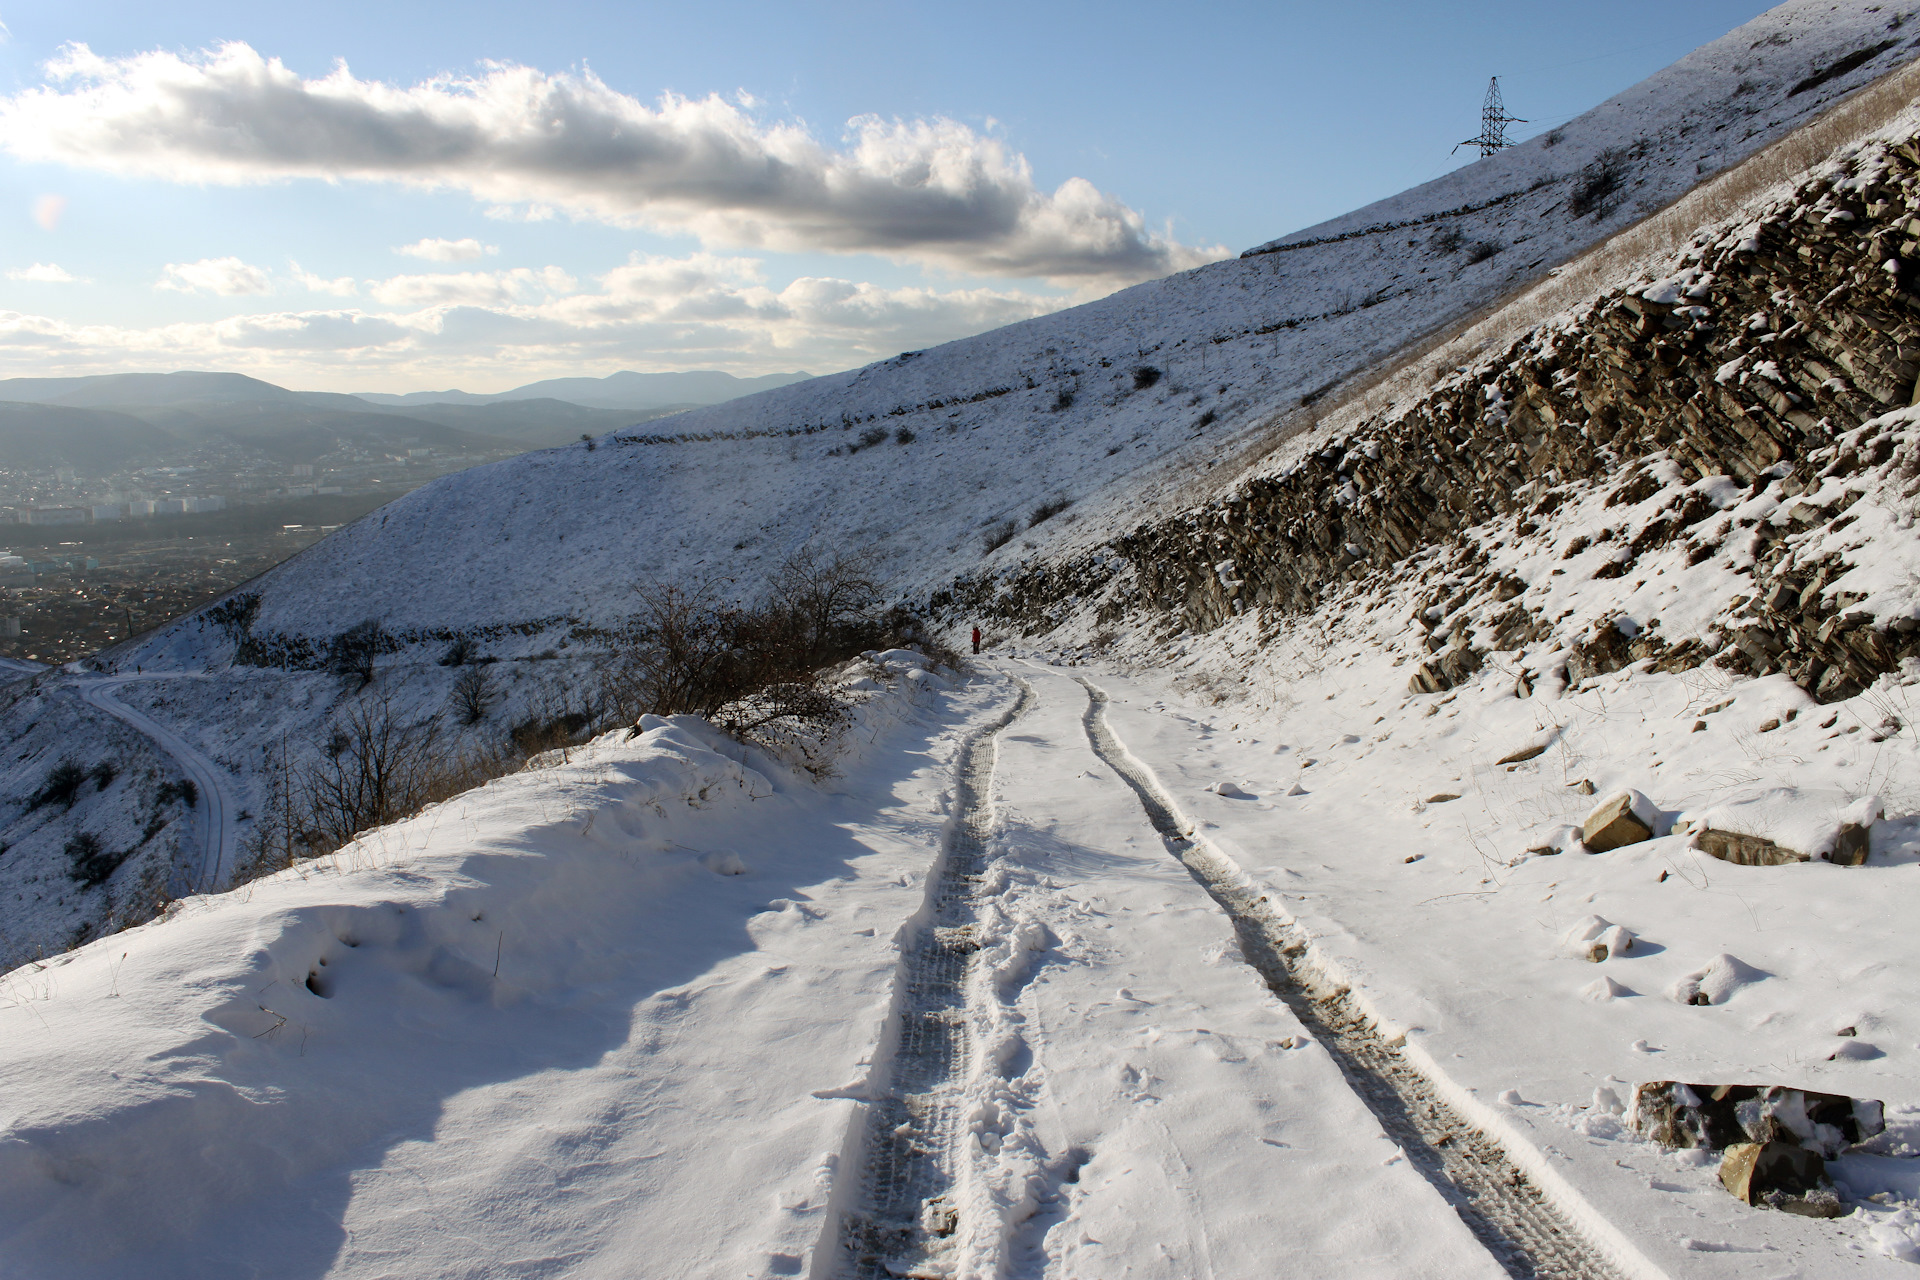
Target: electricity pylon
[1493,123]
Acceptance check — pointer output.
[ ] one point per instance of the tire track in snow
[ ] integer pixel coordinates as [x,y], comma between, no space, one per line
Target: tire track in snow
[906,1215]
[1505,1211]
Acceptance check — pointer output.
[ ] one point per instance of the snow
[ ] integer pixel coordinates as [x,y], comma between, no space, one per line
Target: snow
[1243,352]
[536,1023]
[636,1002]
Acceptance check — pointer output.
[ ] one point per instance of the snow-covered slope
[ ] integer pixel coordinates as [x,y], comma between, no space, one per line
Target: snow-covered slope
[1108,404]
[669,1008]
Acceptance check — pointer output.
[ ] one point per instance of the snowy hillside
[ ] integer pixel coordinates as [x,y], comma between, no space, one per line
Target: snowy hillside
[1469,835]
[1106,405]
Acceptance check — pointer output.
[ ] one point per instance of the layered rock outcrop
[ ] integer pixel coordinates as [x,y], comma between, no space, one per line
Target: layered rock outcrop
[1771,355]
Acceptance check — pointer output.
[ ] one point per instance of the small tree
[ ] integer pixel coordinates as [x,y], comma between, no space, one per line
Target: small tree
[385,769]
[473,695]
[354,650]
[826,592]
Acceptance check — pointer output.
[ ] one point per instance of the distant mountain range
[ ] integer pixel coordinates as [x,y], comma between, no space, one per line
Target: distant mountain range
[626,390]
[108,422]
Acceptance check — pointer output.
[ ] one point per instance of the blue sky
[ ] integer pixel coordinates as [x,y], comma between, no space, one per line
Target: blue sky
[216,211]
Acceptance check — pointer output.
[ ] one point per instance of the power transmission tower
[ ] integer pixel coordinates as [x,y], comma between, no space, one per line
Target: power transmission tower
[1493,123]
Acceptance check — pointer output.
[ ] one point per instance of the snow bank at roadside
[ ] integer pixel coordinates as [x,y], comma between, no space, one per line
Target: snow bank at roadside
[502,1018]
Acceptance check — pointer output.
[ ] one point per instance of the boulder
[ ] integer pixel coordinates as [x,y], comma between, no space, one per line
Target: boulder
[1613,825]
[1713,1117]
[1607,647]
[1523,754]
[1780,1175]
[1445,670]
[1853,844]
[1743,850]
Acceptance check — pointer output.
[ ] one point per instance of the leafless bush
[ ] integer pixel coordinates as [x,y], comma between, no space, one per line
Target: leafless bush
[62,786]
[353,651]
[378,768]
[473,695]
[1048,510]
[90,861]
[751,668]
[1596,183]
[385,768]
[998,535]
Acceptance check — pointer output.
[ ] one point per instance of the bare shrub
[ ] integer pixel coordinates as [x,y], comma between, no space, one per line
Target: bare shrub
[62,786]
[1446,240]
[1144,377]
[998,535]
[384,769]
[751,668]
[1482,250]
[103,774]
[353,651]
[831,596]
[1596,183]
[473,695]
[1048,510]
[185,791]
[90,861]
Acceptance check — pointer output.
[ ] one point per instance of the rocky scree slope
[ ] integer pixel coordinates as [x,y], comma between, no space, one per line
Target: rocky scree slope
[1733,411]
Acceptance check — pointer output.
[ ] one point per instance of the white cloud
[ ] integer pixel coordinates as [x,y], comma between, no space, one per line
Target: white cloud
[226,277]
[495,328]
[928,191]
[436,250]
[44,273]
[339,286]
[472,288]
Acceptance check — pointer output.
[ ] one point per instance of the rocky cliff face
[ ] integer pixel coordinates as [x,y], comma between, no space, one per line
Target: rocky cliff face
[1737,408]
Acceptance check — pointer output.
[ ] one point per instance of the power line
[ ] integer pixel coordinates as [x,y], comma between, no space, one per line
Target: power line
[1493,123]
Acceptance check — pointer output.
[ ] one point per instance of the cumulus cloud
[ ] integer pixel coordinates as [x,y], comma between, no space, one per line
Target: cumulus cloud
[436,250]
[339,286]
[225,277]
[44,273]
[472,288]
[491,328]
[929,191]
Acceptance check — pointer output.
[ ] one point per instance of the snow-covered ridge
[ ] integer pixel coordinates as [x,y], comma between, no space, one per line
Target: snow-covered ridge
[1106,404]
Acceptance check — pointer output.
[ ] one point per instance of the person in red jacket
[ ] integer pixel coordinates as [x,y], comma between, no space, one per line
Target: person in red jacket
[976,639]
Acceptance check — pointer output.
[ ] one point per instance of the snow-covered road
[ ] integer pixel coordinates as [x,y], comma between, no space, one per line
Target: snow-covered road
[1006,998]
[1092,1078]
[214,804]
